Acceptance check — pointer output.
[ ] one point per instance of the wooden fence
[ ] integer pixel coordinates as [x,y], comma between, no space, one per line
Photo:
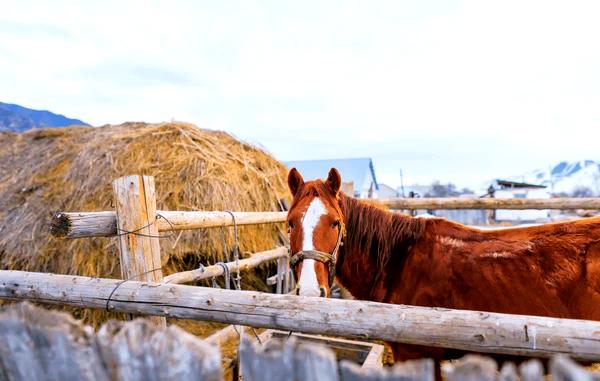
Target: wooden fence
[492,203]
[316,363]
[466,330]
[104,224]
[137,224]
[146,292]
[218,270]
[38,345]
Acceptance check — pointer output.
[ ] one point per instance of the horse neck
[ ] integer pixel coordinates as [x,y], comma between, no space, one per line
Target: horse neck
[376,241]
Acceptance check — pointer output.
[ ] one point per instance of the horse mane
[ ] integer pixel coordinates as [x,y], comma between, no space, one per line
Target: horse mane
[377,232]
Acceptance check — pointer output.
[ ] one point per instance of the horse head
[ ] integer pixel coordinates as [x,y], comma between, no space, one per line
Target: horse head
[316,227]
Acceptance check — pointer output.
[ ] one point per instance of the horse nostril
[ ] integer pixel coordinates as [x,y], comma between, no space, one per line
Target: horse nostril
[323,292]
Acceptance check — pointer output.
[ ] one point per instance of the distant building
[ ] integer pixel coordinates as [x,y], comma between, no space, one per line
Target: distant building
[415,190]
[358,175]
[386,191]
[514,189]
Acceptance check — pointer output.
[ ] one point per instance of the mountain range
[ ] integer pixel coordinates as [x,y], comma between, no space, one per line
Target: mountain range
[16,118]
[567,177]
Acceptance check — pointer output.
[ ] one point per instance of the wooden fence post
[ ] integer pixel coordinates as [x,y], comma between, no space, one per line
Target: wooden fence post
[135,201]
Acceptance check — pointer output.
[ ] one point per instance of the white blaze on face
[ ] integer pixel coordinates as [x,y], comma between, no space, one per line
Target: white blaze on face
[308,284]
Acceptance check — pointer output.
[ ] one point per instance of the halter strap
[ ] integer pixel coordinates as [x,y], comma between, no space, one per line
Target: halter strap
[321,256]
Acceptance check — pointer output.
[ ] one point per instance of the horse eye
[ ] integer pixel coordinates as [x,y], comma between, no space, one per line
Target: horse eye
[336,223]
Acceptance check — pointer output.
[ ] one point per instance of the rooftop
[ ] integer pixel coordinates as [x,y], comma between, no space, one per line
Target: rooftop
[515,184]
[352,170]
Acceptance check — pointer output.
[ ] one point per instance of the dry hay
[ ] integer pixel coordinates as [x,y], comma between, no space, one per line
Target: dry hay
[72,169]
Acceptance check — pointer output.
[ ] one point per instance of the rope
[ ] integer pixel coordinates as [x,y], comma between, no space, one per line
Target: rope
[237,280]
[225,251]
[226,273]
[237,284]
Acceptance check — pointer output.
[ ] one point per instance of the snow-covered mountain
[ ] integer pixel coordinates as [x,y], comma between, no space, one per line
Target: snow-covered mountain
[566,177]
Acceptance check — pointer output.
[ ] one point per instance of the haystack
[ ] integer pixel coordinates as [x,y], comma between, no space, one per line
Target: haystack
[72,169]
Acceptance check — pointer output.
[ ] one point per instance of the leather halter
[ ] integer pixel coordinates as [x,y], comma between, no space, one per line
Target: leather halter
[321,256]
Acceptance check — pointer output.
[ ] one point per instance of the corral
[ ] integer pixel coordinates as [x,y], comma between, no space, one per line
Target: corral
[141,289]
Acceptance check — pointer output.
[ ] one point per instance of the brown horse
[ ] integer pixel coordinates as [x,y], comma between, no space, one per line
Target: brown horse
[548,270]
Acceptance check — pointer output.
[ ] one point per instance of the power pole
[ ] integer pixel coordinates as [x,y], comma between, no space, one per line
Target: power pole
[402,183]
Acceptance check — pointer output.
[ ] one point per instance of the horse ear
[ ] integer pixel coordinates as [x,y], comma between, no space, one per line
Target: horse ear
[334,180]
[295,181]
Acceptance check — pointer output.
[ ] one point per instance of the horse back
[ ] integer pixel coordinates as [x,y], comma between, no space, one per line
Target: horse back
[546,270]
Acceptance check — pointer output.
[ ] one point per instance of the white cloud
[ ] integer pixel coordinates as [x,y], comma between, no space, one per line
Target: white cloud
[460,91]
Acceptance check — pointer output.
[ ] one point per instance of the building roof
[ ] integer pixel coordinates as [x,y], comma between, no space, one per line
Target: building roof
[516,184]
[388,188]
[352,170]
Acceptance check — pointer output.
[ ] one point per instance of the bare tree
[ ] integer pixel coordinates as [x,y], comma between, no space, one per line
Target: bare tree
[582,191]
[438,189]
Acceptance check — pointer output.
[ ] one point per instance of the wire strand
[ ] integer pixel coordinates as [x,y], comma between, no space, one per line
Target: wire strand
[122,232]
[126,280]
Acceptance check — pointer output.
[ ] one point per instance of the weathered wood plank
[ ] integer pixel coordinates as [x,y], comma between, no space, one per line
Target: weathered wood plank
[43,345]
[361,352]
[156,354]
[492,203]
[84,224]
[139,249]
[315,363]
[531,370]
[417,370]
[258,364]
[467,330]
[375,357]
[288,279]
[564,369]
[509,372]
[104,224]
[471,368]
[214,271]
[38,344]
[295,359]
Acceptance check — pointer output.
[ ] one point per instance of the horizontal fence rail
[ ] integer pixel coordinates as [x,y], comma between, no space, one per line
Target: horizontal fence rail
[104,224]
[466,330]
[216,270]
[492,203]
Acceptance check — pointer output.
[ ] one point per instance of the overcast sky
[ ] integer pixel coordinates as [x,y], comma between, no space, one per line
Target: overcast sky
[460,91]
